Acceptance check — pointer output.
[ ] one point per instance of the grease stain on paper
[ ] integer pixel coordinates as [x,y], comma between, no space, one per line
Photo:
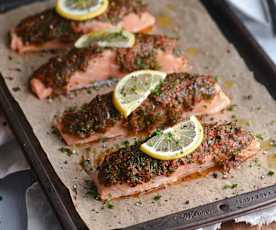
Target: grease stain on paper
[192,51]
[229,84]
[164,21]
[271,161]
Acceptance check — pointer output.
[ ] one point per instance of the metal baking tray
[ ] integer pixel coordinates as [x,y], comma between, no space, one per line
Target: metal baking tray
[219,211]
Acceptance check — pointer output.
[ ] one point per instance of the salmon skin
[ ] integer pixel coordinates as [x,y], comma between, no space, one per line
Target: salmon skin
[48,30]
[179,95]
[128,171]
[78,68]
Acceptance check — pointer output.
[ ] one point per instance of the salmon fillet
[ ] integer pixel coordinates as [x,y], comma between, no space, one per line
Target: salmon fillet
[207,98]
[80,67]
[121,174]
[48,30]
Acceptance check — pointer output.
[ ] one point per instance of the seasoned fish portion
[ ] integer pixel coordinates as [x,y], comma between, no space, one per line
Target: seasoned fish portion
[128,171]
[48,30]
[179,95]
[78,68]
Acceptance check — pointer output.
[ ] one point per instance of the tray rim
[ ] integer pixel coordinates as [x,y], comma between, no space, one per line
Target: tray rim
[59,196]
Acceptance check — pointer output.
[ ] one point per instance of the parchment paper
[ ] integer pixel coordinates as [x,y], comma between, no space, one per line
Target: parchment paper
[208,52]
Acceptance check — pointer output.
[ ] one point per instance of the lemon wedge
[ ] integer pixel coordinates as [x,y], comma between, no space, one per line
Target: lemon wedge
[81,10]
[175,142]
[134,88]
[116,38]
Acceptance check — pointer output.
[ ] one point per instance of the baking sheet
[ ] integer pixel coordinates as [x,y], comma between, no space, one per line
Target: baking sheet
[208,52]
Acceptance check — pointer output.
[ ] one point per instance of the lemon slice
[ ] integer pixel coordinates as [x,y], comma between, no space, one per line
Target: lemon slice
[134,88]
[175,142]
[81,10]
[116,38]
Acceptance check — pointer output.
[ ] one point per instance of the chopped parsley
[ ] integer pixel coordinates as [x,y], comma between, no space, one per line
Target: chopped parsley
[170,136]
[16,89]
[108,203]
[260,137]
[158,133]
[157,91]
[234,117]
[126,143]
[270,173]
[89,91]
[67,151]
[92,190]
[72,109]
[138,203]
[232,107]
[230,186]
[157,197]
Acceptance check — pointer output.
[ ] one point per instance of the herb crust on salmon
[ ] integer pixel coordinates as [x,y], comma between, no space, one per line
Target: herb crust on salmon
[80,67]
[177,96]
[129,171]
[48,30]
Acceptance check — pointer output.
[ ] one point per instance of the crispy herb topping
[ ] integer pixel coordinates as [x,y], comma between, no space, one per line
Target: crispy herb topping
[224,143]
[157,197]
[96,116]
[117,9]
[59,70]
[46,26]
[230,186]
[56,74]
[144,54]
[108,203]
[176,95]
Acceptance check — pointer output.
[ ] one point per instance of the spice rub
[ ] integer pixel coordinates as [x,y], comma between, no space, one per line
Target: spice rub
[144,55]
[118,9]
[96,116]
[46,26]
[129,171]
[224,142]
[178,95]
[79,67]
[48,30]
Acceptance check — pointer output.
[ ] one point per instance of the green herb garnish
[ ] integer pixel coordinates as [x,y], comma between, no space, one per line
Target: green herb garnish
[260,137]
[108,203]
[232,107]
[158,133]
[230,186]
[92,190]
[273,122]
[157,197]
[67,151]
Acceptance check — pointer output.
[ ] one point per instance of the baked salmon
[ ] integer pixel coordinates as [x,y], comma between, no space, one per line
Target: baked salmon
[179,95]
[80,67]
[128,171]
[48,30]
